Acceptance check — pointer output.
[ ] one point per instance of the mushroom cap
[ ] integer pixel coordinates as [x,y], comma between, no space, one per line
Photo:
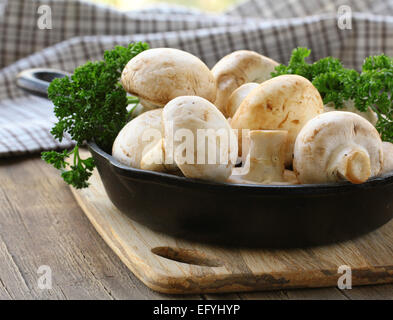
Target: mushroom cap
[337,136]
[387,157]
[237,97]
[191,114]
[237,68]
[283,103]
[159,75]
[129,146]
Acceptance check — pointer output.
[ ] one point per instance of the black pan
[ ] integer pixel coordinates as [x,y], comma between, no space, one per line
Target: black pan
[245,215]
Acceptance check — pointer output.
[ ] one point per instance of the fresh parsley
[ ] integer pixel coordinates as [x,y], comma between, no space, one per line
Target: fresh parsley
[90,105]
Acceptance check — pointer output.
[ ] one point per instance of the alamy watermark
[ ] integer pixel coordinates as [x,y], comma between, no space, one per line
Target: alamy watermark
[45,19]
[344,17]
[184,146]
[345,281]
[44,281]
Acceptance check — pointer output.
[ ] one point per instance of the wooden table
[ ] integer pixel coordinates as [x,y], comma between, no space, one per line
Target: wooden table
[41,224]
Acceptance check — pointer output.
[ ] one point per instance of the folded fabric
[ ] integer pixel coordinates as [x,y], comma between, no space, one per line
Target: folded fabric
[82,31]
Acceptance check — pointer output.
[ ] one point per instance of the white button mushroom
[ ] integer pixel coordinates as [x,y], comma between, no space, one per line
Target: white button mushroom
[337,146]
[158,75]
[349,105]
[283,103]
[188,122]
[237,97]
[237,68]
[137,139]
[387,157]
[154,158]
[264,162]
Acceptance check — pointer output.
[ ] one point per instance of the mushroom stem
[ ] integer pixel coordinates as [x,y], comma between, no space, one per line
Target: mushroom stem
[148,105]
[266,156]
[351,163]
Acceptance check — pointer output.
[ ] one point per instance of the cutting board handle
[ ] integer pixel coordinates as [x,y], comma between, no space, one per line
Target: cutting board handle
[189,256]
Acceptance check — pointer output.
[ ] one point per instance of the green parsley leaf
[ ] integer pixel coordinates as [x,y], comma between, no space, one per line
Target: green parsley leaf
[90,105]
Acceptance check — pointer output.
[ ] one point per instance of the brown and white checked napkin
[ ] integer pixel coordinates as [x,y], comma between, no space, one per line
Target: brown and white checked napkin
[81,31]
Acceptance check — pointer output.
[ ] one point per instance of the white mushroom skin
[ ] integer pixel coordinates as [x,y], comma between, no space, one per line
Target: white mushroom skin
[129,146]
[139,143]
[337,146]
[387,157]
[236,69]
[191,114]
[154,158]
[283,103]
[159,75]
[237,97]
[349,106]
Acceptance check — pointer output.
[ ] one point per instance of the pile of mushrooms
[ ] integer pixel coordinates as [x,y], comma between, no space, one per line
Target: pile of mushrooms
[236,124]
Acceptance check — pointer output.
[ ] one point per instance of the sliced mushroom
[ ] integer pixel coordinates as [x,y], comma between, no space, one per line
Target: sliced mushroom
[188,122]
[387,157]
[349,106]
[238,68]
[237,97]
[136,144]
[158,75]
[337,146]
[264,163]
[283,103]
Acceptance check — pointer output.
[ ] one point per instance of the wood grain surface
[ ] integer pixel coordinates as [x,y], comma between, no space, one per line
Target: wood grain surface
[171,265]
[41,224]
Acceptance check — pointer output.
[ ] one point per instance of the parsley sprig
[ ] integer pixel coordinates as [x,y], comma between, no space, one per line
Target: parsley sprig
[90,105]
[372,87]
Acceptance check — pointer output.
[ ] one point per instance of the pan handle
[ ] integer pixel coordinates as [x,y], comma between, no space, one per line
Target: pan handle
[36,81]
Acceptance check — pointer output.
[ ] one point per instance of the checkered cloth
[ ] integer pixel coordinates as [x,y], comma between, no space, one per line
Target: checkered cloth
[81,31]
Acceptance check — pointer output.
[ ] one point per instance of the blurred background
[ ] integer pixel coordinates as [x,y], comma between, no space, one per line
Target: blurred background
[204,5]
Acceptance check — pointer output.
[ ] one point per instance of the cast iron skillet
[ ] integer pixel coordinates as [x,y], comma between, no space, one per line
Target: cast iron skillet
[241,215]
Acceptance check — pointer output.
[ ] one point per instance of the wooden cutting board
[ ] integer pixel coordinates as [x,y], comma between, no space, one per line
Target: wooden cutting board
[170,265]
